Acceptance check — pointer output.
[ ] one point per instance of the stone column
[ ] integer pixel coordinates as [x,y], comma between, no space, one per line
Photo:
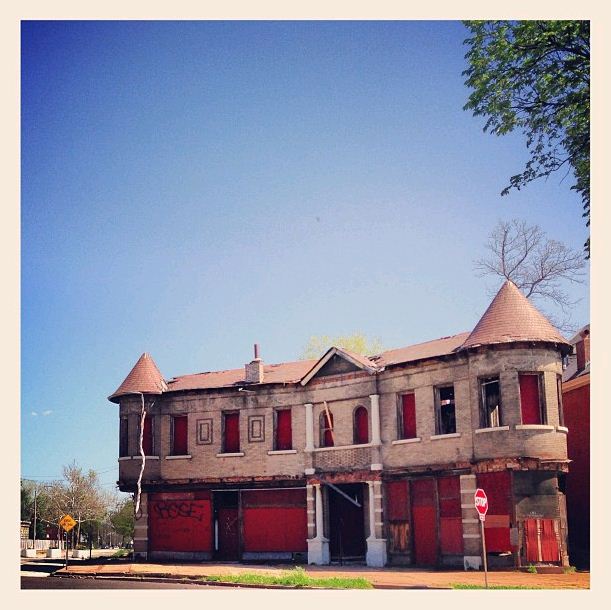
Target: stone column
[472,539]
[376,547]
[309,411]
[141,530]
[318,547]
[375,419]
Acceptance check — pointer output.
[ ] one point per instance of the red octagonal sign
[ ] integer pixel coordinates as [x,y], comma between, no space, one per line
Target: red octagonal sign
[481,503]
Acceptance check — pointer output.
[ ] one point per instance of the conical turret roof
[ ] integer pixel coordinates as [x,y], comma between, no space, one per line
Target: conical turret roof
[512,317]
[144,378]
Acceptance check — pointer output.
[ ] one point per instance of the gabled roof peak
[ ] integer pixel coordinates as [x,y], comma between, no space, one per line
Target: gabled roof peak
[144,378]
[511,317]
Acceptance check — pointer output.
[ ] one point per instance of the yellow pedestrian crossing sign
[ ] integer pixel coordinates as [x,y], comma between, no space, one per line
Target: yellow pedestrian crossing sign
[67,522]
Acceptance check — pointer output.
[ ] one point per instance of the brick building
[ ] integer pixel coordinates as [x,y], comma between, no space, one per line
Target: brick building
[354,458]
[576,405]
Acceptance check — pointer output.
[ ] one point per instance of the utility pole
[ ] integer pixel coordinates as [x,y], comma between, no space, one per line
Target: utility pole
[34,536]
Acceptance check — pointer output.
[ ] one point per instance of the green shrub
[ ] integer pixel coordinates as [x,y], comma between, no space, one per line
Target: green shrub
[531,569]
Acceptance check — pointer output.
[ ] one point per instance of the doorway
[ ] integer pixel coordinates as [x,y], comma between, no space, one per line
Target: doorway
[346,523]
[227,525]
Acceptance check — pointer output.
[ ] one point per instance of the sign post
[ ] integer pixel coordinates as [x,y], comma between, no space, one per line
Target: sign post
[67,523]
[481,505]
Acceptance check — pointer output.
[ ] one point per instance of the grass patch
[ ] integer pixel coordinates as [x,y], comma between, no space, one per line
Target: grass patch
[121,553]
[463,586]
[293,578]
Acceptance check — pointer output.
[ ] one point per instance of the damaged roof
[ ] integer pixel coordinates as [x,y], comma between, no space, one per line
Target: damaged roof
[509,318]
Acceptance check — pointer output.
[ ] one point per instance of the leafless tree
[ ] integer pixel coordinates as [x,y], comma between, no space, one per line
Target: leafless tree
[538,266]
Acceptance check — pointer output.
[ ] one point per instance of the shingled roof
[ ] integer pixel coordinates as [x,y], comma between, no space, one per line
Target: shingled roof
[512,317]
[144,378]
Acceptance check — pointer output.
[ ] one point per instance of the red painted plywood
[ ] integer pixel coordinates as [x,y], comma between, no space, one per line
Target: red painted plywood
[361,424]
[424,519]
[529,399]
[408,407]
[397,500]
[275,529]
[549,542]
[450,535]
[180,524]
[284,430]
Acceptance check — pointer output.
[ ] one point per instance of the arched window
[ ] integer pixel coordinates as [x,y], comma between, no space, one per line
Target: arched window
[361,426]
[326,429]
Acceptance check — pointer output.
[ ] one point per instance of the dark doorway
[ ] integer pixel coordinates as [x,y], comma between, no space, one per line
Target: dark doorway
[228,525]
[347,524]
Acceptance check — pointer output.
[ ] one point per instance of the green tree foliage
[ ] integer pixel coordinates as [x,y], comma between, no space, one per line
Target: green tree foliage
[535,76]
[122,519]
[30,489]
[357,343]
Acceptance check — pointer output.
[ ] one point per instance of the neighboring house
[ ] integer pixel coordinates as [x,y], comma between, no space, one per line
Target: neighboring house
[576,402]
[353,458]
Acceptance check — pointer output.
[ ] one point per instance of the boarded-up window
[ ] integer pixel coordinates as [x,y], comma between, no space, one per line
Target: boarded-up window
[284,431]
[530,400]
[497,486]
[326,429]
[541,540]
[397,512]
[231,432]
[179,435]
[450,515]
[148,436]
[361,426]
[123,437]
[407,416]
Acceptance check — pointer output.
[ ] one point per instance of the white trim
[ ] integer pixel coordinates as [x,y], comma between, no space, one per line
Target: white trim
[224,455]
[125,458]
[318,449]
[148,457]
[405,441]
[140,538]
[562,429]
[472,505]
[310,471]
[282,451]
[467,476]
[496,429]
[178,457]
[533,427]
[471,536]
[470,520]
[376,467]
[437,437]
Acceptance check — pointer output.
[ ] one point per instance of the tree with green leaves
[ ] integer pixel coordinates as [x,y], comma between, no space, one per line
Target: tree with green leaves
[534,76]
[357,343]
[122,519]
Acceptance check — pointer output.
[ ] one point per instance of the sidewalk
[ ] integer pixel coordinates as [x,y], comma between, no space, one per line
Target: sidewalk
[390,577]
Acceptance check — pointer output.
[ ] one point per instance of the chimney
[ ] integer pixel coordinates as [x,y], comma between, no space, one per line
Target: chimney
[582,349]
[254,369]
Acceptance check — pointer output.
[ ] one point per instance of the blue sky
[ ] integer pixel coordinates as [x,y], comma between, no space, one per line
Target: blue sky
[191,188]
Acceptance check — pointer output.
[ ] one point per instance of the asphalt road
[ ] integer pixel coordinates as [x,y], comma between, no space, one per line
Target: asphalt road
[35,582]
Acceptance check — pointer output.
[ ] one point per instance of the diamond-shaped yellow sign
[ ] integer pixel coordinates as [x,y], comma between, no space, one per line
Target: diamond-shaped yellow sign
[67,522]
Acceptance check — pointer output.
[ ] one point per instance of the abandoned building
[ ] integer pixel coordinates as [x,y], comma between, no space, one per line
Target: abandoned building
[353,458]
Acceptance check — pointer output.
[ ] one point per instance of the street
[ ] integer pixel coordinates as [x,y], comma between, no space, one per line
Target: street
[28,582]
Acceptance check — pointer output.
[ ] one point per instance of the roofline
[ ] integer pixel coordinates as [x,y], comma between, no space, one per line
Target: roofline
[332,351]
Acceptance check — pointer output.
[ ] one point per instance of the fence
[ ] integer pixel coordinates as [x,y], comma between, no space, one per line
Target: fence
[41,545]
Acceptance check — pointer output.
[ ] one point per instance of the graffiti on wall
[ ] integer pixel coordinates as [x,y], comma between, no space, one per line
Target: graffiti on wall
[176,509]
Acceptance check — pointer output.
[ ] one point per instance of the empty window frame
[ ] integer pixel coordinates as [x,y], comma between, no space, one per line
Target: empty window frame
[490,402]
[445,412]
[123,437]
[148,436]
[361,426]
[283,437]
[327,437]
[179,436]
[406,416]
[559,395]
[531,405]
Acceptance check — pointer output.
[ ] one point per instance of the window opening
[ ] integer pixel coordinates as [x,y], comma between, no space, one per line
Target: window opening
[361,426]
[407,416]
[284,432]
[490,402]
[231,432]
[445,412]
[179,435]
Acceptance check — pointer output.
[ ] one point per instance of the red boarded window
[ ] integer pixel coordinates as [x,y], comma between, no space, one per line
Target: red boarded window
[148,440]
[361,426]
[326,429]
[497,486]
[179,435]
[450,515]
[529,399]
[284,431]
[408,416]
[397,500]
[231,435]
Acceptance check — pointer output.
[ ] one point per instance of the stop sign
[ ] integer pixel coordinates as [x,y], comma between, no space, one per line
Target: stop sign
[481,503]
